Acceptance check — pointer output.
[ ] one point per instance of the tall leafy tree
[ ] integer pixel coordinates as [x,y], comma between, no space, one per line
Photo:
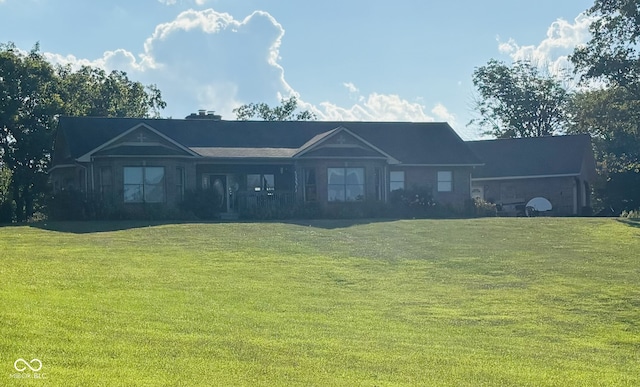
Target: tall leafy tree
[612,117]
[33,94]
[612,54]
[92,92]
[518,100]
[287,111]
[29,103]
[611,111]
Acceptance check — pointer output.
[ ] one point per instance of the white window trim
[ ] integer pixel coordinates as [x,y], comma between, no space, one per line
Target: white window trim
[443,181]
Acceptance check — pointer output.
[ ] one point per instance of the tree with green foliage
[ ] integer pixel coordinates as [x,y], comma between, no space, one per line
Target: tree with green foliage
[612,54]
[29,103]
[6,203]
[33,94]
[612,117]
[610,112]
[287,111]
[518,100]
[92,92]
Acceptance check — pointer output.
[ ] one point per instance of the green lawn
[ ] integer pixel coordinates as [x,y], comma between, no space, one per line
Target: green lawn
[482,302]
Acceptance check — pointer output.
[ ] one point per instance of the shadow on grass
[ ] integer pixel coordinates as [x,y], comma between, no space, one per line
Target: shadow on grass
[87,227]
[630,222]
[330,224]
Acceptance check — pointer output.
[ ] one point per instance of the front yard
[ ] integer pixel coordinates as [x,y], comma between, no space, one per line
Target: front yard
[522,301]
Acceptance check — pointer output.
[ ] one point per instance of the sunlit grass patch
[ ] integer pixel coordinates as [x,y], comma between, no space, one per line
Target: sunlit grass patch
[459,302]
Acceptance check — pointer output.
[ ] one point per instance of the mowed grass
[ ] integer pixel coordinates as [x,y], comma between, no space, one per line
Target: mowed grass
[482,302]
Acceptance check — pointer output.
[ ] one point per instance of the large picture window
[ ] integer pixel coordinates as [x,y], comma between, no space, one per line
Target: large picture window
[345,184]
[396,180]
[144,184]
[445,181]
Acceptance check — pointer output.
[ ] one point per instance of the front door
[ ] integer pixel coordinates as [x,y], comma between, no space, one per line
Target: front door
[218,184]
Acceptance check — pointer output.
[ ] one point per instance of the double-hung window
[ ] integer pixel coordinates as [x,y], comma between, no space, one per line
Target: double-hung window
[445,181]
[345,184]
[144,184]
[396,180]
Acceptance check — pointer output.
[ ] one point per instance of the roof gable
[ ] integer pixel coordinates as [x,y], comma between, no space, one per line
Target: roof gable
[341,142]
[140,139]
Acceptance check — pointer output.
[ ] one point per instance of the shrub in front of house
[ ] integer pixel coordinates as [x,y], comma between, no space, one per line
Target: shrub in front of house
[359,209]
[68,205]
[479,208]
[202,204]
[416,202]
[632,214]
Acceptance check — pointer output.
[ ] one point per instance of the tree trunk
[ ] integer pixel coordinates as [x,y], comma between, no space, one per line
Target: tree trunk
[18,198]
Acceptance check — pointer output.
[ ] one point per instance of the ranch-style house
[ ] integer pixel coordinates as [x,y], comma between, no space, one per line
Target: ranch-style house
[134,162]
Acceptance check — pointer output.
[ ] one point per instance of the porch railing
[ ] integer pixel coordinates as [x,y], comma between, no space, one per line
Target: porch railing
[265,199]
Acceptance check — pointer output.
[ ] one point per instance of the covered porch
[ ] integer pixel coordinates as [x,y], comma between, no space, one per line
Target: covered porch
[249,187]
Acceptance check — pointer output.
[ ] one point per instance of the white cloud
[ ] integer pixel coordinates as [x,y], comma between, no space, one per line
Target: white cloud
[167,2]
[205,59]
[443,114]
[553,52]
[210,60]
[374,107]
[351,87]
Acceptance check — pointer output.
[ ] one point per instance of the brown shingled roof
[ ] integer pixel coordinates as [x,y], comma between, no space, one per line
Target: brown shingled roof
[424,143]
[534,156]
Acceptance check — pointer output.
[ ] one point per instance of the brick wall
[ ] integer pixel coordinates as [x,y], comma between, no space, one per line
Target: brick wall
[428,177]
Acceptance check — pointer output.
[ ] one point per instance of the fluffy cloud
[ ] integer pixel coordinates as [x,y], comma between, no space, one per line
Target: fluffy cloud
[442,114]
[562,37]
[205,59]
[209,60]
[374,107]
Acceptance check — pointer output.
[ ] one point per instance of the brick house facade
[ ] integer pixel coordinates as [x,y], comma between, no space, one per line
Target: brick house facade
[132,162]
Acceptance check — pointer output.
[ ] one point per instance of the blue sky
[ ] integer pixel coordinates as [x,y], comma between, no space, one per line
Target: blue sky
[346,60]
